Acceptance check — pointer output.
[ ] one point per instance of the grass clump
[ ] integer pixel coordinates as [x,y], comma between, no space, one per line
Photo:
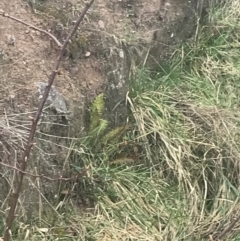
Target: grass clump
[190,123]
[184,181]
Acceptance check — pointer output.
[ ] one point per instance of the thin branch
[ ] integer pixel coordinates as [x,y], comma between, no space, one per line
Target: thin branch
[33,27]
[79,174]
[29,145]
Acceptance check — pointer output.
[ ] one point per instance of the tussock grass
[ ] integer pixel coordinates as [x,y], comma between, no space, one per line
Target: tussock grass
[185,185]
[189,122]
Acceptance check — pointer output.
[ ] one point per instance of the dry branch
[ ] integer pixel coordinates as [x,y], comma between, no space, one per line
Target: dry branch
[33,27]
[29,145]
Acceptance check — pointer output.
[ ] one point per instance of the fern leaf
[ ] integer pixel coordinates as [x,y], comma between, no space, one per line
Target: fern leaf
[96,112]
[98,105]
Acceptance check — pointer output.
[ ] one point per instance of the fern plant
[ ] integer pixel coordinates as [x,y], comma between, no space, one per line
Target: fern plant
[101,145]
[98,136]
[101,149]
[97,125]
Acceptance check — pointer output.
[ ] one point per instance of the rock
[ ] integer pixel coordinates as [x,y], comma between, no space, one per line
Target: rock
[55,110]
[150,32]
[101,24]
[53,124]
[10,40]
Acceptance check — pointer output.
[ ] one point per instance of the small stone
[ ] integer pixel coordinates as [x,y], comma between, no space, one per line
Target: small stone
[87,54]
[101,24]
[10,40]
[27,31]
[121,54]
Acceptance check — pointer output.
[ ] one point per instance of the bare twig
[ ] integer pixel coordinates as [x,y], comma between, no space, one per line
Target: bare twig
[227,229]
[33,27]
[79,174]
[29,145]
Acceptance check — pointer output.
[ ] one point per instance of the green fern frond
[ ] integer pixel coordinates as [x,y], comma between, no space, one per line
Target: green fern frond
[98,105]
[114,134]
[96,112]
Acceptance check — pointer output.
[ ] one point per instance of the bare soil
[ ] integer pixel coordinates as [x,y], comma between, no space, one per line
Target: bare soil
[29,57]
